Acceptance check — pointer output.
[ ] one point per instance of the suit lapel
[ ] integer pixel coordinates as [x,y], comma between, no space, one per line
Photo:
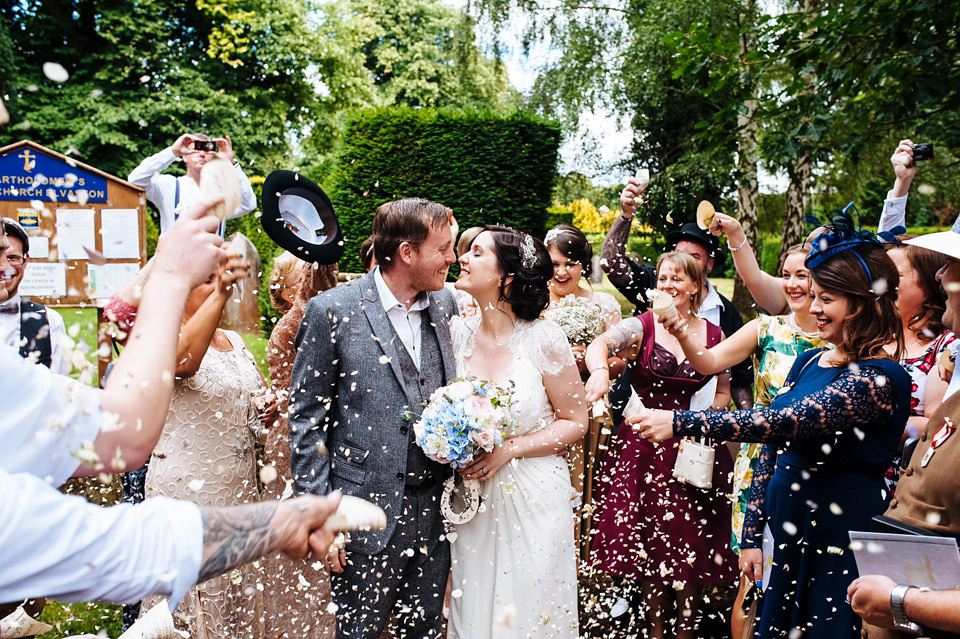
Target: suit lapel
[384,333]
[439,318]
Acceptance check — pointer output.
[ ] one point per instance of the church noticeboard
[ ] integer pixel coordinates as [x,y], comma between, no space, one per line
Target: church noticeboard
[67,208]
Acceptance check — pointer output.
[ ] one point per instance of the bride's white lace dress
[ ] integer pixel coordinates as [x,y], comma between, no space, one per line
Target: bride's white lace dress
[514,564]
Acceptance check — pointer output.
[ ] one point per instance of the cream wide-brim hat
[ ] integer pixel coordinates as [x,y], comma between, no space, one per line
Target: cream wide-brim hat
[946,242]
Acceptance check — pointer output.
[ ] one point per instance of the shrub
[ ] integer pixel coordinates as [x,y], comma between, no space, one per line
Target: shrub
[489,168]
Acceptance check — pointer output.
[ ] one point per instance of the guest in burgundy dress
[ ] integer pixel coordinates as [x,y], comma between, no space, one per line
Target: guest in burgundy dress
[667,535]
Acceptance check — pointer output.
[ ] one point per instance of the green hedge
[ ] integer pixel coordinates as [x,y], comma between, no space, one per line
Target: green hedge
[557,215]
[489,168]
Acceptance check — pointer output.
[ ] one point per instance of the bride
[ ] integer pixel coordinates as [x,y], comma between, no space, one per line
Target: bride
[514,564]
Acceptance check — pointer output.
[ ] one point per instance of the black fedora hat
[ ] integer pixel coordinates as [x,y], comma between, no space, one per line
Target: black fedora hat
[692,231]
[298,216]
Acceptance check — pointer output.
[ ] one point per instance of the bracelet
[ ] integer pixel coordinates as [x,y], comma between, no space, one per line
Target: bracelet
[599,368]
[734,250]
[140,275]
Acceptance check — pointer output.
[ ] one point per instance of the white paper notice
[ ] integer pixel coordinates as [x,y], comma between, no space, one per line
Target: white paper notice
[44,279]
[120,234]
[919,560]
[39,247]
[106,279]
[75,229]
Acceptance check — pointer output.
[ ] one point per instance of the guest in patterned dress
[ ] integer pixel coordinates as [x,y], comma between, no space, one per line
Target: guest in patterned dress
[206,453]
[838,418]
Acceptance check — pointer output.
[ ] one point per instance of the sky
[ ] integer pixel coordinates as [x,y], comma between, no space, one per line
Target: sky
[603,137]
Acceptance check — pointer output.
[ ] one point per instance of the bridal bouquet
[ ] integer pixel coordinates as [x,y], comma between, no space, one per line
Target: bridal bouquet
[580,320]
[462,420]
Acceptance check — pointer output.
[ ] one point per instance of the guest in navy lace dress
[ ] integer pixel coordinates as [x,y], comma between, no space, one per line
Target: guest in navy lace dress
[838,422]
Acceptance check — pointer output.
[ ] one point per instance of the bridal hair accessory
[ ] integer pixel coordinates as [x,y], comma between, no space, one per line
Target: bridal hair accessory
[843,234]
[552,234]
[528,251]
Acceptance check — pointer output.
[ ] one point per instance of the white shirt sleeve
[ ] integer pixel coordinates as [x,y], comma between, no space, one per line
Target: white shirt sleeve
[61,346]
[894,213]
[160,189]
[63,547]
[46,419]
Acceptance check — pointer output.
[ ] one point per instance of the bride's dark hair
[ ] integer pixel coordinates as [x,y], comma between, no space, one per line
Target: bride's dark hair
[525,259]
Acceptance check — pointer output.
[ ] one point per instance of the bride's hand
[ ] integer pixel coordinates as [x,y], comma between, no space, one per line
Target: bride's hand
[486,466]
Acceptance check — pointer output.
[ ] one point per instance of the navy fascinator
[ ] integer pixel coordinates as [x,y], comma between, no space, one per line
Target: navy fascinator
[842,234]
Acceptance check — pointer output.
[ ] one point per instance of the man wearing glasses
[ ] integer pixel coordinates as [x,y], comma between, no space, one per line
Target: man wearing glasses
[37,332]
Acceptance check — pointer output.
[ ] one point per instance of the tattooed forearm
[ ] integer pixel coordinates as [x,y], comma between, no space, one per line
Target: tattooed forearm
[623,338]
[613,253]
[238,535]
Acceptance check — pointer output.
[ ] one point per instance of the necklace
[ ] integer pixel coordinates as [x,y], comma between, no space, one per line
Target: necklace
[808,335]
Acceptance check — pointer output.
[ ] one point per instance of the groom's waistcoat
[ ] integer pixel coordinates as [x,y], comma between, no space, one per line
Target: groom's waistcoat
[421,383]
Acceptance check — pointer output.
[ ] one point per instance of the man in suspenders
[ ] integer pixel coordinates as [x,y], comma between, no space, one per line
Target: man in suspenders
[171,194]
[36,331]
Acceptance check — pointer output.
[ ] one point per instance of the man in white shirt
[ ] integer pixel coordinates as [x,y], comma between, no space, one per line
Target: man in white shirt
[36,331]
[172,194]
[55,545]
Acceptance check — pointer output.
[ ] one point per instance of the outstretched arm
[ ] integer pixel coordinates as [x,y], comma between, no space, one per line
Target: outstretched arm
[767,290]
[710,361]
[628,278]
[623,342]
[240,534]
[895,205]
[854,398]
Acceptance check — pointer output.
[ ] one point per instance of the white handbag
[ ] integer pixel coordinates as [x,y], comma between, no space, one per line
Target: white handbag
[694,464]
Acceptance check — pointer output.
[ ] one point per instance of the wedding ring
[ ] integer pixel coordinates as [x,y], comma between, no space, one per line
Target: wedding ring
[483,470]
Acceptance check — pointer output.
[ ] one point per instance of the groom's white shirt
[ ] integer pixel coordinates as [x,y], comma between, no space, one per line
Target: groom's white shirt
[405,321]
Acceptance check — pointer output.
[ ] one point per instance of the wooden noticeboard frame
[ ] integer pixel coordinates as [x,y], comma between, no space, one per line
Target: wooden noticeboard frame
[38,187]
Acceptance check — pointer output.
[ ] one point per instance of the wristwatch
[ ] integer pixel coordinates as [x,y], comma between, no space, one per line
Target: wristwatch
[900,620]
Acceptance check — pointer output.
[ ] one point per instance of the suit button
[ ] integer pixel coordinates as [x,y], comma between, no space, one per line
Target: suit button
[909,471]
[400,476]
[423,381]
[923,436]
[893,504]
[403,430]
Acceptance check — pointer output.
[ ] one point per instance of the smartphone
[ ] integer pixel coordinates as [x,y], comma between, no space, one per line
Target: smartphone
[204,145]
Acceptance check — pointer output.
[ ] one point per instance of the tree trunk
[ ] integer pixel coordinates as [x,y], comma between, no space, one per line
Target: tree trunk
[748,195]
[793,229]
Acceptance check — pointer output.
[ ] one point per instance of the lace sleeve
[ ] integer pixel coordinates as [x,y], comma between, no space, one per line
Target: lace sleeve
[756,515]
[547,347]
[852,399]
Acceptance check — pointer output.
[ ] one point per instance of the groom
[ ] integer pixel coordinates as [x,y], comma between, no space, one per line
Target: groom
[367,352]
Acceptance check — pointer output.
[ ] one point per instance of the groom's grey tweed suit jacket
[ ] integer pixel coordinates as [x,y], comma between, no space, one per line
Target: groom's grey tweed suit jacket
[347,391]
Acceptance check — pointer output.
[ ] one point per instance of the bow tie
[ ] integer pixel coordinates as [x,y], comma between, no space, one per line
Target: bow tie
[10,308]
